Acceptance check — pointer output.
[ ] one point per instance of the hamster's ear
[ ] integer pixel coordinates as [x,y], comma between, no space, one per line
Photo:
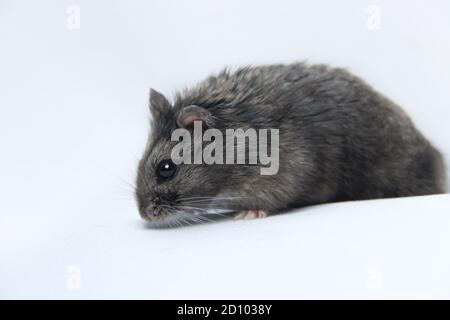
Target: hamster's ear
[157,103]
[190,114]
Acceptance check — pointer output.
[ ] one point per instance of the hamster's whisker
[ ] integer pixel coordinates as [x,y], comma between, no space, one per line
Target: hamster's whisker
[176,219]
[199,197]
[208,198]
[128,183]
[180,218]
[222,213]
[187,215]
[197,219]
[194,219]
[203,211]
[201,215]
[213,199]
[194,210]
[184,220]
[191,207]
[201,218]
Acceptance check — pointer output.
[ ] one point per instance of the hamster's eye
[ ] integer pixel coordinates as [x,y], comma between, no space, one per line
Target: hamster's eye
[166,169]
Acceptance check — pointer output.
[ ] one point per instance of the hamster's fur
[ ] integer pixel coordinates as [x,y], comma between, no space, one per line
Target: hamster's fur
[339,140]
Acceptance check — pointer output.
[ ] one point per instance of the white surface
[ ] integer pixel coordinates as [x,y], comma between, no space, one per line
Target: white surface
[73,122]
[372,249]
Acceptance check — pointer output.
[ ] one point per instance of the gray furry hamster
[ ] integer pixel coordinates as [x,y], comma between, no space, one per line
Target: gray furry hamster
[339,140]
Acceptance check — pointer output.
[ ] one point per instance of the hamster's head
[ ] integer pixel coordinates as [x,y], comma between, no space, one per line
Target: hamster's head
[168,194]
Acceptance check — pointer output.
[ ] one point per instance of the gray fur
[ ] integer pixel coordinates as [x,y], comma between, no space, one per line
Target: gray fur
[339,140]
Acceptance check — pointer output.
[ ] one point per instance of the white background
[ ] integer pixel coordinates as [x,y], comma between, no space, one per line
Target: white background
[74,119]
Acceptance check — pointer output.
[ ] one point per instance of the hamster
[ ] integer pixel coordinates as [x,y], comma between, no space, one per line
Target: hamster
[339,140]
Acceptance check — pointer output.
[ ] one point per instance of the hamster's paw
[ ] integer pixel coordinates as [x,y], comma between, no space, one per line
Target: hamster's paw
[250,214]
